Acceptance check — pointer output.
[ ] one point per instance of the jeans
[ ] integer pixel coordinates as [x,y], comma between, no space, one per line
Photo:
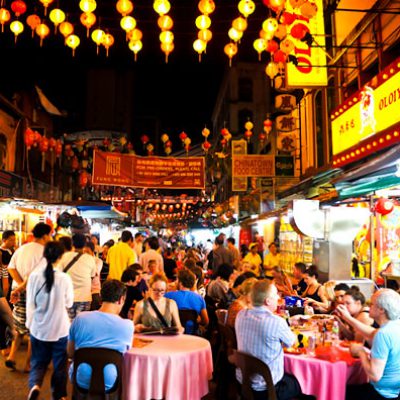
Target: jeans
[42,354]
[287,388]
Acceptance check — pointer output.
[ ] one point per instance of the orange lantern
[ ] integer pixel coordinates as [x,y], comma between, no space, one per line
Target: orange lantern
[108,41]
[240,24]
[165,23]
[42,30]
[206,6]
[88,20]
[97,37]
[167,48]
[135,34]
[66,28]
[33,21]
[73,42]
[124,7]
[230,50]
[272,69]
[57,16]
[135,46]
[205,35]
[5,16]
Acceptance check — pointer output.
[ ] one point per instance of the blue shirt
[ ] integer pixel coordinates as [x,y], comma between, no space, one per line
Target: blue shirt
[261,333]
[187,300]
[386,346]
[103,330]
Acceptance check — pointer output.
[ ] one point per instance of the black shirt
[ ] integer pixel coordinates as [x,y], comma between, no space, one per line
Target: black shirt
[300,287]
[169,268]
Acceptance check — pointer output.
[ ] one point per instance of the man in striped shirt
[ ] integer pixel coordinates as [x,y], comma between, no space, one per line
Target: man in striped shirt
[261,333]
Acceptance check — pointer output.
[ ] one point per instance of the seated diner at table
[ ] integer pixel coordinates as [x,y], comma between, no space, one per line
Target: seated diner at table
[314,295]
[382,364]
[282,282]
[356,305]
[156,312]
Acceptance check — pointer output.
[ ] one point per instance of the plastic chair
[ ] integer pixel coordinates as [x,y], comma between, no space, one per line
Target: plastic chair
[189,321]
[250,365]
[97,358]
[228,339]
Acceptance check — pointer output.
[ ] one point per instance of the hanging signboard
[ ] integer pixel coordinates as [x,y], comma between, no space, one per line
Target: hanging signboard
[284,165]
[253,165]
[239,183]
[310,70]
[368,120]
[115,169]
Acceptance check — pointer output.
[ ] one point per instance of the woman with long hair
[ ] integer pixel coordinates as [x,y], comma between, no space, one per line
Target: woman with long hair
[49,294]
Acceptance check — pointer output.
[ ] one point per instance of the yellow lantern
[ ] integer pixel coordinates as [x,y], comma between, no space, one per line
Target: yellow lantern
[246,7]
[266,35]
[88,20]
[134,35]
[205,35]
[248,126]
[46,3]
[165,22]
[230,50]
[5,16]
[167,48]
[124,7]
[108,41]
[97,37]
[161,6]
[164,138]
[206,6]
[259,45]
[87,6]
[66,29]
[73,41]
[272,69]
[200,47]
[166,37]
[56,17]
[128,23]
[16,27]
[240,24]
[270,25]
[42,30]
[203,22]
[135,46]
[234,34]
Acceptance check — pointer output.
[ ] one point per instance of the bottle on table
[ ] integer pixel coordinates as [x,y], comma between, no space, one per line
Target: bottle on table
[335,333]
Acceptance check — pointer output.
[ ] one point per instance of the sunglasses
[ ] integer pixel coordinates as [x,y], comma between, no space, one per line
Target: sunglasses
[158,290]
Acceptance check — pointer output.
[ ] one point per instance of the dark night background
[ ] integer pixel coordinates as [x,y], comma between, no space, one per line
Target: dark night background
[116,93]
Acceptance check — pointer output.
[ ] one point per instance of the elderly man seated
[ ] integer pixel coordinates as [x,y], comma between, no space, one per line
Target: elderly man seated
[261,333]
[382,364]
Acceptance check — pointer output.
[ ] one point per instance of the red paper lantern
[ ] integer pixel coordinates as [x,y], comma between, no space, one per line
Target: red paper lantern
[168,143]
[298,31]
[224,132]
[58,148]
[44,144]
[183,136]
[206,146]
[145,139]
[224,142]
[18,7]
[37,139]
[75,163]
[279,56]
[248,134]
[83,179]
[29,138]
[287,18]
[262,137]
[272,46]
[384,206]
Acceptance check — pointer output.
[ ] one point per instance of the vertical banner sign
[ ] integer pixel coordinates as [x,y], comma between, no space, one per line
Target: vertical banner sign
[239,183]
[114,169]
[311,70]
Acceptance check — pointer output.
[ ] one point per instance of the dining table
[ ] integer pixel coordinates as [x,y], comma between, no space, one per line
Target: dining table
[175,367]
[323,378]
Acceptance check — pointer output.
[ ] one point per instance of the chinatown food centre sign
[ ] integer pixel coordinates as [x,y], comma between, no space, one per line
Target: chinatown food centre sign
[368,121]
[114,169]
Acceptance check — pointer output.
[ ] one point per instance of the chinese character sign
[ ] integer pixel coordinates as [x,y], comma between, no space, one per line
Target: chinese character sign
[115,169]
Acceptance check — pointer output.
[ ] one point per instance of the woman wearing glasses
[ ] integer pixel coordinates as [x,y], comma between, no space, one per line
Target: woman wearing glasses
[156,312]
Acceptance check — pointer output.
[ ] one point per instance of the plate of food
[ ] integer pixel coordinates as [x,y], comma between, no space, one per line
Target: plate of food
[322,316]
[293,350]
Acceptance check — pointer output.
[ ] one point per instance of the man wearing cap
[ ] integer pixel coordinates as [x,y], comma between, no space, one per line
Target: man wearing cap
[271,260]
[253,258]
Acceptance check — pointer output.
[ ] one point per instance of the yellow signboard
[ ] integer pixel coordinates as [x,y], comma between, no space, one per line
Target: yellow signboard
[367,113]
[311,70]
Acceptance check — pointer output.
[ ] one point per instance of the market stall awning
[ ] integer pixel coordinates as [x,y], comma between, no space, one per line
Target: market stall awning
[100,212]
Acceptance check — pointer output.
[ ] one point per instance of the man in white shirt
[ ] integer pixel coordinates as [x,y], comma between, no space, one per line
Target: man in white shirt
[22,263]
[81,268]
[152,254]
[138,244]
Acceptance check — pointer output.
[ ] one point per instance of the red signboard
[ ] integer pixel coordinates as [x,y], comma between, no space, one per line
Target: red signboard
[114,169]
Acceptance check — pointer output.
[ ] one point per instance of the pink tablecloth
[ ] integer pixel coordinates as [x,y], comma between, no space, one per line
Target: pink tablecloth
[324,379]
[170,368]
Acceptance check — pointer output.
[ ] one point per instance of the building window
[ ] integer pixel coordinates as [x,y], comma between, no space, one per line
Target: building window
[319,128]
[245,89]
[244,116]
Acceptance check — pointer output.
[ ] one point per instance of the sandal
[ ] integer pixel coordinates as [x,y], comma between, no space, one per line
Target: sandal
[11,364]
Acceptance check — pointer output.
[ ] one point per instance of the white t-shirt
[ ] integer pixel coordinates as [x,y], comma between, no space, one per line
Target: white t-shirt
[46,313]
[25,260]
[81,274]
[149,255]
[96,284]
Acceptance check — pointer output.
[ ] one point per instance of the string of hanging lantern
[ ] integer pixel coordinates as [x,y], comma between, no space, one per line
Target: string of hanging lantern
[284,26]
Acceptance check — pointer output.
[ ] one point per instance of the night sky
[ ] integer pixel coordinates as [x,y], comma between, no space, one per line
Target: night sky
[181,94]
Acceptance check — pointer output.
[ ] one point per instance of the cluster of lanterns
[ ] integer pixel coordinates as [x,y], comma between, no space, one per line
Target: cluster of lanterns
[186,141]
[165,23]
[203,23]
[167,144]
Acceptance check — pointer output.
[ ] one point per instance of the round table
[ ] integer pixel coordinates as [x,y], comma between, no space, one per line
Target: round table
[168,367]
